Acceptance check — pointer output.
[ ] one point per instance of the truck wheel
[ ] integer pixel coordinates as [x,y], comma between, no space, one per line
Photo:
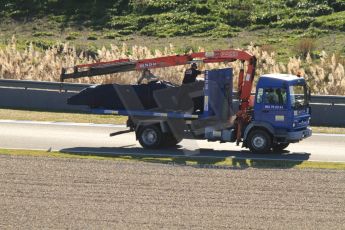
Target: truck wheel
[259,141]
[170,140]
[280,146]
[150,137]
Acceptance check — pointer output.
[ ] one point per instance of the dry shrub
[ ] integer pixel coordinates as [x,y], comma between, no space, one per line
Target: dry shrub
[305,46]
[325,77]
[268,48]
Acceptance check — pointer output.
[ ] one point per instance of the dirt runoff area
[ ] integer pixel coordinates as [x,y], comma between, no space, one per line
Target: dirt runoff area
[39,192]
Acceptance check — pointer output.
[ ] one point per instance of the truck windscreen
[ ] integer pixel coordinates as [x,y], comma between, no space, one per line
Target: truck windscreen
[298,96]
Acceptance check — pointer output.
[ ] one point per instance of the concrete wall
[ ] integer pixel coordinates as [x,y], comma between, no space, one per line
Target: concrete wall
[37,99]
[328,115]
[326,110]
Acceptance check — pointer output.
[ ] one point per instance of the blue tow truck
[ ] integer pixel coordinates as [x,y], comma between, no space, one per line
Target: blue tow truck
[277,115]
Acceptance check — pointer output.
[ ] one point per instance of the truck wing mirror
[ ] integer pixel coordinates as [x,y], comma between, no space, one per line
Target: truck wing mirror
[309,93]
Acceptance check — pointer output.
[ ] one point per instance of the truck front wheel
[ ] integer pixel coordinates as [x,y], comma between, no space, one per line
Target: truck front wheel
[150,136]
[259,141]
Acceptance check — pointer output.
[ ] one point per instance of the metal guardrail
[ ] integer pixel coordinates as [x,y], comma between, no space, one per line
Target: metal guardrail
[76,87]
[328,99]
[52,96]
[43,85]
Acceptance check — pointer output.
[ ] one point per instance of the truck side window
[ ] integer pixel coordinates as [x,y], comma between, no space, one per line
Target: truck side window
[259,95]
[275,96]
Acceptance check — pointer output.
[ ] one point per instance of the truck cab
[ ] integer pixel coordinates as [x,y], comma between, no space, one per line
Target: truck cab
[281,113]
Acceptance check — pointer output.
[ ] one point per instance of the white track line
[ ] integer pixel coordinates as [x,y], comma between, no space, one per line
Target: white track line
[57,123]
[176,155]
[328,135]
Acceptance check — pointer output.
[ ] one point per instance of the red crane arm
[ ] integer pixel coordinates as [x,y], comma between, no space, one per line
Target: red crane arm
[163,62]
[124,65]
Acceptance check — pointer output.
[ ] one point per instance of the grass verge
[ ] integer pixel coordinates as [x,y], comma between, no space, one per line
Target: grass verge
[328,130]
[37,115]
[29,115]
[207,162]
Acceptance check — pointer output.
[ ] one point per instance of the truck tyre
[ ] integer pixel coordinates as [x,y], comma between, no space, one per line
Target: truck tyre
[259,141]
[150,137]
[170,140]
[280,146]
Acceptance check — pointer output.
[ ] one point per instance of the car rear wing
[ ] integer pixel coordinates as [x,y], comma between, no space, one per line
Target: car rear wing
[99,68]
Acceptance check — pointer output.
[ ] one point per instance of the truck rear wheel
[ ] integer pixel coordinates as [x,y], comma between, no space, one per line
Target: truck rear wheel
[259,141]
[150,136]
[280,146]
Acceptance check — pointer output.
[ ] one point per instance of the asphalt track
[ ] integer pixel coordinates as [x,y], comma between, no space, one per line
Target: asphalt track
[89,138]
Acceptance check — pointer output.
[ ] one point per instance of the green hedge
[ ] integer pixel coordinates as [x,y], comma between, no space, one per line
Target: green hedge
[335,21]
[165,18]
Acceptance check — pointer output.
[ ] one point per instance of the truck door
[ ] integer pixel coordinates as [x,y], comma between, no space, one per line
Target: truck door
[271,106]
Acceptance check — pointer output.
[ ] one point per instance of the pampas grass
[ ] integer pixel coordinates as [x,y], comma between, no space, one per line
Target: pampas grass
[325,76]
